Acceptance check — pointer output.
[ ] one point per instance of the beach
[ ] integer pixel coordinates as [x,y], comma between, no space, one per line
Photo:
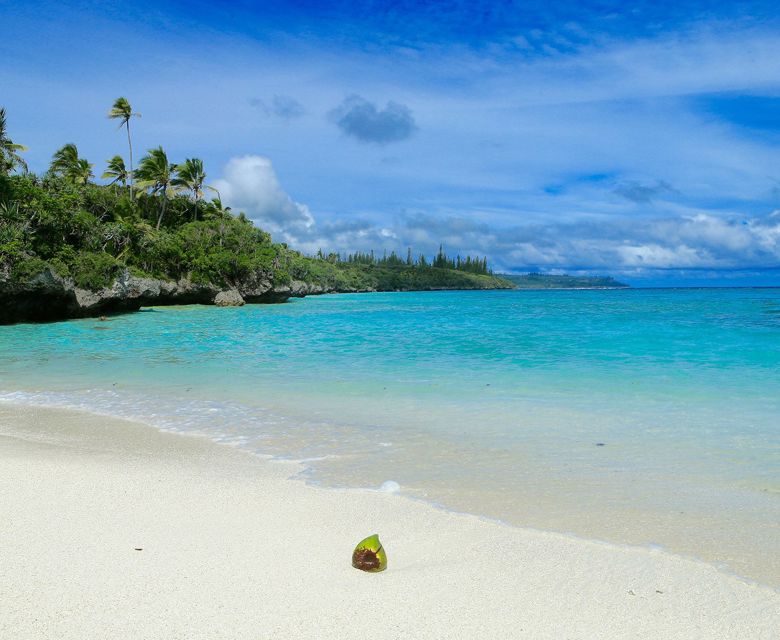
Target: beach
[113,529]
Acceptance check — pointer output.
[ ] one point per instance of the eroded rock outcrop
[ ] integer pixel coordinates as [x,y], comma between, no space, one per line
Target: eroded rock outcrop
[229,298]
[50,296]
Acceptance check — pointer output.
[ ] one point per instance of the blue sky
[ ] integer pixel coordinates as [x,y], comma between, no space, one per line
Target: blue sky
[583,137]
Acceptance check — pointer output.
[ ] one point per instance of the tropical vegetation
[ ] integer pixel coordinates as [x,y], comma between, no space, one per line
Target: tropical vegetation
[10,159]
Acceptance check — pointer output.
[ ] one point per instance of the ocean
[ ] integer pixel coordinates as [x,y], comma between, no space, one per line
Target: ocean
[639,416]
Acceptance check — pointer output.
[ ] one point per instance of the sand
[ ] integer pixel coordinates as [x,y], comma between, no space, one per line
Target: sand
[232,547]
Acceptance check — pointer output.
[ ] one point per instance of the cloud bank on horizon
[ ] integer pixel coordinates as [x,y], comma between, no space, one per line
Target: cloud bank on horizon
[580,138]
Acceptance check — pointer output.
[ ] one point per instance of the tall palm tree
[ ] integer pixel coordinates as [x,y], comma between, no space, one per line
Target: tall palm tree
[156,173]
[9,150]
[122,111]
[66,163]
[117,171]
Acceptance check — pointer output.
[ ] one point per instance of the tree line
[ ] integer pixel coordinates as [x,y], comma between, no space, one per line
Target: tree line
[440,261]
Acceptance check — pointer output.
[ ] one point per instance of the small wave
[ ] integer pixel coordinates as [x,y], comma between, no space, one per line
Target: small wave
[222,422]
[389,486]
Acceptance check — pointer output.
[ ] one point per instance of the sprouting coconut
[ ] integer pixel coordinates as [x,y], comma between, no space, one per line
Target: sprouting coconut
[369,555]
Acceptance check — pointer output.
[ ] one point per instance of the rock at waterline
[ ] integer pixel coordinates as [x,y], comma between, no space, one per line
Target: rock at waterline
[228,298]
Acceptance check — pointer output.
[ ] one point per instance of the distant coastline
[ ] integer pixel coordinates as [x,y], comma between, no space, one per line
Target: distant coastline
[50,296]
[544,281]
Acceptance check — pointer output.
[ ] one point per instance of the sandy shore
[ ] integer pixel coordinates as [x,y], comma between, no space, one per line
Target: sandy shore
[232,548]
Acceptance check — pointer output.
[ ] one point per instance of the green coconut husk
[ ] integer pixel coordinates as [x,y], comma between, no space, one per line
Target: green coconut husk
[369,555]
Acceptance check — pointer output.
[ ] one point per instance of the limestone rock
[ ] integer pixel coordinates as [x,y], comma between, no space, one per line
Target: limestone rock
[228,298]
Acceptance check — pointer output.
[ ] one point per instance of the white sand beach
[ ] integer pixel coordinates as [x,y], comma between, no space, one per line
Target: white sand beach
[111,529]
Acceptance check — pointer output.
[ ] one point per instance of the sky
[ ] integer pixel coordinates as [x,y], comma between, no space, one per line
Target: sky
[639,140]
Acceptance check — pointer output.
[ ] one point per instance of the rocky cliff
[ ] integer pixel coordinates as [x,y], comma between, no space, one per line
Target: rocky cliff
[49,296]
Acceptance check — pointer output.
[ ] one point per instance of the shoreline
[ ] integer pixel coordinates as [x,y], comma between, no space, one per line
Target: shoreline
[255,553]
[630,529]
[51,297]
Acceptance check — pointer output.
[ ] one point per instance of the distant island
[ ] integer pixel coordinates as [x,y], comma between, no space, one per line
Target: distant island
[543,281]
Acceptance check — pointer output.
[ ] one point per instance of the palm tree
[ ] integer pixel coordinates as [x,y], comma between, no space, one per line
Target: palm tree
[219,207]
[191,177]
[64,159]
[9,150]
[122,111]
[66,163]
[117,171]
[156,173]
[82,172]
[216,208]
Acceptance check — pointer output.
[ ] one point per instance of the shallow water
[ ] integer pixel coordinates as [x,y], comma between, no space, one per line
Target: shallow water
[638,416]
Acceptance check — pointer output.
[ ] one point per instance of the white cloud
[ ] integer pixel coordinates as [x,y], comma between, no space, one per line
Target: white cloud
[249,184]
[700,241]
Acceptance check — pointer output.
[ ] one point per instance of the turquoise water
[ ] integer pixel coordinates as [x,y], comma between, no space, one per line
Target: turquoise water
[637,416]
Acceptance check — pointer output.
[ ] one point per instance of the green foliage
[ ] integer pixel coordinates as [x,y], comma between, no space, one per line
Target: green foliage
[143,222]
[191,176]
[122,111]
[11,232]
[10,159]
[67,164]
[94,270]
[27,268]
[91,232]
[222,251]
[386,274]
[156,173]
[116,170]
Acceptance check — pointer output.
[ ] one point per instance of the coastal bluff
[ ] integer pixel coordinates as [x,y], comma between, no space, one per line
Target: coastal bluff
[49,296]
